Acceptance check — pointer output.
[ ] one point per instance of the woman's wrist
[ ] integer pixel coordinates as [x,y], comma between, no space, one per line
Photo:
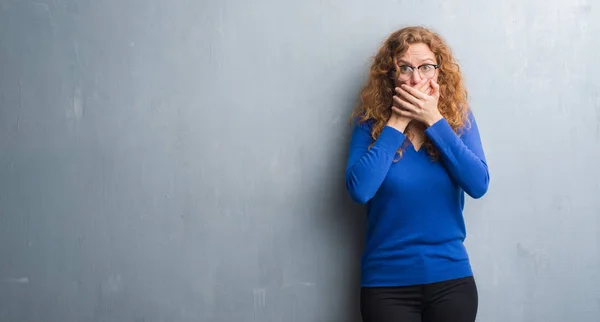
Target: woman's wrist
[432,120]
[398,123]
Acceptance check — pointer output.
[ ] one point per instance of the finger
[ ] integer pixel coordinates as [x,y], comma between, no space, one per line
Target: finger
[401,112]
[414,92]
[398,102]
[422,84]
[410,98]
[436,88]
[426,89]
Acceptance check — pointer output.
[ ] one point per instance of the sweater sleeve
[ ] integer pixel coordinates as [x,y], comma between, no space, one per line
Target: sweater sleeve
[463,156]
[367,168]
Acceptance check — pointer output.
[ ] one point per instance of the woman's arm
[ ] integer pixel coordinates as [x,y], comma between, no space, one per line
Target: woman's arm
[463,156]
[367,168]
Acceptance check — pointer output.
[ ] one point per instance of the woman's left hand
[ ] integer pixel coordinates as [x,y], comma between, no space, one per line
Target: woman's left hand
[418,105]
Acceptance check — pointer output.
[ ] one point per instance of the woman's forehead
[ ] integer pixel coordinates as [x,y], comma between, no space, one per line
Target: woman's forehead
[416,53]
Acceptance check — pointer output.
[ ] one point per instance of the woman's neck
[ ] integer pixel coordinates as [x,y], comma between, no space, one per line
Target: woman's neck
[415,132]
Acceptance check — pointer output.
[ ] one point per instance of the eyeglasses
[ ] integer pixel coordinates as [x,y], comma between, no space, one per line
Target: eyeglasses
[406,71]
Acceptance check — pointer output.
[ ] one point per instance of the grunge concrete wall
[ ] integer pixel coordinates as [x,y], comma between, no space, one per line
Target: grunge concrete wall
[184,160]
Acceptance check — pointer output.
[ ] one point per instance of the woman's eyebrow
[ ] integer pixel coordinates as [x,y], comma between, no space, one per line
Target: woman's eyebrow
[404,62]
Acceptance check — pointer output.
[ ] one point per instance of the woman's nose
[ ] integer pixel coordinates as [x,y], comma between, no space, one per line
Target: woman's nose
[415,78]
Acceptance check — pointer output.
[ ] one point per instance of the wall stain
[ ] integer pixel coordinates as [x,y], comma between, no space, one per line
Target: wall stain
[259,296]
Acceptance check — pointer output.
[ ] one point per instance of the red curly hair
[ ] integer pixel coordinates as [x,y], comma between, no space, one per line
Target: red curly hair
[376,96]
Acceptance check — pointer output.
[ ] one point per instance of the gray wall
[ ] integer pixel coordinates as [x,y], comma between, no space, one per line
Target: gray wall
[184,160]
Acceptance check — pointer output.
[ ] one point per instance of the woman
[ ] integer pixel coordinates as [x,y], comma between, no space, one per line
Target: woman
[414,152]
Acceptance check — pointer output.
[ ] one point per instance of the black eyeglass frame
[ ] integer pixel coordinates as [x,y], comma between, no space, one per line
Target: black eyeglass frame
[392,72]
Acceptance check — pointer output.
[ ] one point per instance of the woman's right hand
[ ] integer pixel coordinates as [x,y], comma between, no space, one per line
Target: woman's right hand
[398,121]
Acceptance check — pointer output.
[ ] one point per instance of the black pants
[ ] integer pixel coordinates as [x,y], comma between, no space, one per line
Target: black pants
[449,301]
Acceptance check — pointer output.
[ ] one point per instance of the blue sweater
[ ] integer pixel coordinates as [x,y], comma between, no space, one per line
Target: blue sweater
[415,225]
